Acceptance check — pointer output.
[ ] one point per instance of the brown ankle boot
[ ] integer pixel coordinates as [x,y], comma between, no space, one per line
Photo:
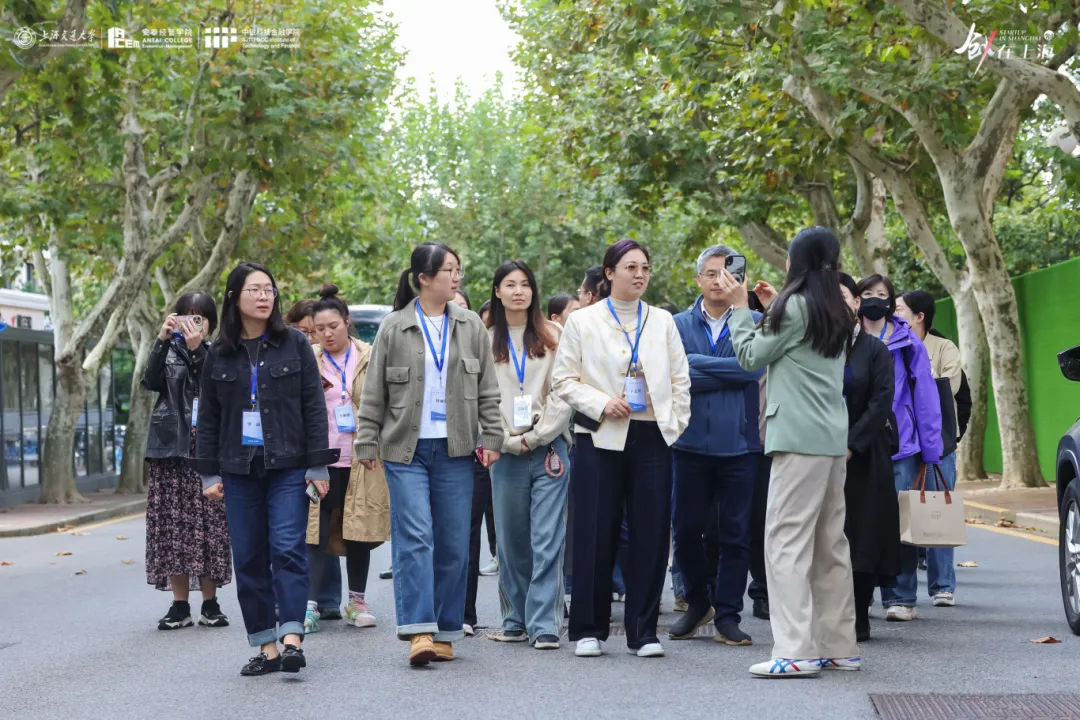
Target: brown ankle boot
[444,652]
[422,650]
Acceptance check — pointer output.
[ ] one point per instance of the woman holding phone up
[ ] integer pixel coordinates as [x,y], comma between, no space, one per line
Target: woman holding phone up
[430,385]
[622,366]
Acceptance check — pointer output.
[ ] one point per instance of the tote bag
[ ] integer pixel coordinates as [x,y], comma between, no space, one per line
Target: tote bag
[933,519]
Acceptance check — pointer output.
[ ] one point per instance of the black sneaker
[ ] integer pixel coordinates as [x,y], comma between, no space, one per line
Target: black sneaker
[179,616]
[687,624]
[761,609]
[211,615]
[330,613]
[730,634]
[387,574]
[261,665]
[862,630]
[546,642]
[292,659]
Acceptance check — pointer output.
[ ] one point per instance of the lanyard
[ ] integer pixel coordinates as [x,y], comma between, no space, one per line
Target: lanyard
[519,368]
[439,358]
[255,371]
[708,334]
[884,327]
[637,339]
[341,370]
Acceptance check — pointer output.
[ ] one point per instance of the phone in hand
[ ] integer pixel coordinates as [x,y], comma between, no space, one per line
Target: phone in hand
[736,265]
[180,319]
[313,494]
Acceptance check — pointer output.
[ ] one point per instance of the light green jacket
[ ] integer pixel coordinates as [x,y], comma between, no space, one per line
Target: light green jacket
[805,411]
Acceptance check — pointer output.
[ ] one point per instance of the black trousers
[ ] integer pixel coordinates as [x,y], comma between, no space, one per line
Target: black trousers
[639,479]
[357,554]
[481,504]
[759,587]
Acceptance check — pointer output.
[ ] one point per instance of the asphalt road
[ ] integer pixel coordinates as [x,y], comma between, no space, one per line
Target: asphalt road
[86,646]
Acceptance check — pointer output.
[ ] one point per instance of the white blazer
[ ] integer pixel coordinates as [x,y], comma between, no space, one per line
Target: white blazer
[591,364]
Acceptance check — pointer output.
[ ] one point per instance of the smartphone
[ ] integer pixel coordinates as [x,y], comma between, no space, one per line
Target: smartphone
[313,494]
[736,265]
[195,319]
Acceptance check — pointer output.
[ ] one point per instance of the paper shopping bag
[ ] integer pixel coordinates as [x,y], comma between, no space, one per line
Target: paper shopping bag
[932,518]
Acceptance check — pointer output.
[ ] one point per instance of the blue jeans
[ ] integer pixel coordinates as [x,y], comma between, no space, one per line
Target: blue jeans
[328,594]
[430,509]
[941,573]
[530,526]
[267,513]
[699,479]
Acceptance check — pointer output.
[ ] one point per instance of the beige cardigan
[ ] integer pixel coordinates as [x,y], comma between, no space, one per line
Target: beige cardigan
[591,364]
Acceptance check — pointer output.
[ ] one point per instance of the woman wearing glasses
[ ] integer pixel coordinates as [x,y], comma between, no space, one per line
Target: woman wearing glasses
[430,385]
[262,438]
[622,366]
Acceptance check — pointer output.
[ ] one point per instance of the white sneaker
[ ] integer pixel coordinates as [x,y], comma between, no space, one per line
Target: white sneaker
[587,647]
[469,632]
[649,650]
[491,568]
[618,597]
[849,664]
[944,599]
[784,667]
[900,613]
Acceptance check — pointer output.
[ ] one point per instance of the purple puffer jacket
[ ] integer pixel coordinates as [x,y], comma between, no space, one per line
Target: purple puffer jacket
[915,398]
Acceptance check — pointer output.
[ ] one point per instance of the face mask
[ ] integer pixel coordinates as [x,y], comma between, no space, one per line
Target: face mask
[874,308]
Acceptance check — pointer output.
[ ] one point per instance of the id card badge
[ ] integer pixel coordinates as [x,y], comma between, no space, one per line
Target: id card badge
[195,412]
[346,420]
[251,432]
[635,394]
[523,411]
[438,405]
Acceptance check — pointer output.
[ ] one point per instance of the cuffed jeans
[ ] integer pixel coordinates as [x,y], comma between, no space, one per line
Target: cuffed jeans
[639,479]
[530,522]
[940,569]
[267,512]
[430,508]
[707,485]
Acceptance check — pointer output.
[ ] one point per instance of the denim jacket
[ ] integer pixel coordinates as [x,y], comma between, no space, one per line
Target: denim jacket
[291,403]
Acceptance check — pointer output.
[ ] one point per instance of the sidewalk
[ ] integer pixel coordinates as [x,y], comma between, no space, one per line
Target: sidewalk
[1031,509]
[35,519]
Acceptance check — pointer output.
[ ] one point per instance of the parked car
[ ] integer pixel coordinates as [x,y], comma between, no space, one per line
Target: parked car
[367,318]
[1068,492]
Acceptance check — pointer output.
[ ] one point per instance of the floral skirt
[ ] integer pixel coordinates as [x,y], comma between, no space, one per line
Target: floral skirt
[186,534]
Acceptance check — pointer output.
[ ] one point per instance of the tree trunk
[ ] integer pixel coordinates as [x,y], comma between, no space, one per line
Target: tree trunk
[58,450]
[975,356]
[876,242]
[133,463]
[994,294]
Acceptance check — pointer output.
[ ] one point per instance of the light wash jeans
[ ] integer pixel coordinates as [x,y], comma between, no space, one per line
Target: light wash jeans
[530,527]
[941,570]
[430,509]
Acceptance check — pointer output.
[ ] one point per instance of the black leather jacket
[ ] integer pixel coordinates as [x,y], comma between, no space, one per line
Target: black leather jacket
[172,371]
[291,402]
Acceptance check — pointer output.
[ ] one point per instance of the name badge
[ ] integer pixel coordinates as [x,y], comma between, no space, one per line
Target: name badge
[635,394]
[346,420]
[251,431]
[523,411]
[438,405]
[195,412]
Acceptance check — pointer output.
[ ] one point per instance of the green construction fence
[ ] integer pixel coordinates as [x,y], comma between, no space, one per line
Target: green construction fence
[1048,302]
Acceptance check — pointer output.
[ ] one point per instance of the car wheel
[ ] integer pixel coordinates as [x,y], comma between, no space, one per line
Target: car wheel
[1069,554]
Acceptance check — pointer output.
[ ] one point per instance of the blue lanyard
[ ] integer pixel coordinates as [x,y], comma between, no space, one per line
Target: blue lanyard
[518,367]
[341,370]
[637,339]
[439,358]
[708,334]
[884,327]
[255,373]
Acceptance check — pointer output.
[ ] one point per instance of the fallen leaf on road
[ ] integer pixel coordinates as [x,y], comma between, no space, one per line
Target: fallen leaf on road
[53,562]
[83,572]
[1048,640]
[128,562]
[62,554]
[5,563]
[121,537]
[1005,523]
[969,563]
[80,534]
[65,528]
[973,521]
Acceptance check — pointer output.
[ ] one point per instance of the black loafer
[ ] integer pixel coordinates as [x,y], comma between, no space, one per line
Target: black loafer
[261,665]
[688,623]
[761,609]
[292,659]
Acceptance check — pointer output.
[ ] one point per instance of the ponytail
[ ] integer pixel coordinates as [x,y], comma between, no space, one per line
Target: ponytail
[405,293]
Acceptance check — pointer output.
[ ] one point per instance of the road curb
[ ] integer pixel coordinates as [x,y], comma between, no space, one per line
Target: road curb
[1044,524]
[134,507]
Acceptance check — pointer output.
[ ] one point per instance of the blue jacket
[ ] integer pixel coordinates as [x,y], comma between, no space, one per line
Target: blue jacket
[723,397]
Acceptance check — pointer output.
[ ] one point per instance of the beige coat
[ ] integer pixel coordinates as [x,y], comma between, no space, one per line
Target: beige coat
[366,517]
